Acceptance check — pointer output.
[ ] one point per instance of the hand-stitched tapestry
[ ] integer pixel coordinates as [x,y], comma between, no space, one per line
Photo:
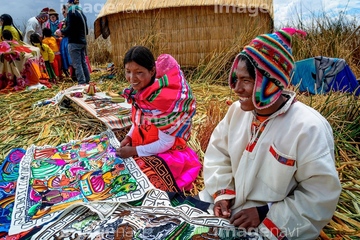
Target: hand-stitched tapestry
[53,178]
[154,217]
[9,172]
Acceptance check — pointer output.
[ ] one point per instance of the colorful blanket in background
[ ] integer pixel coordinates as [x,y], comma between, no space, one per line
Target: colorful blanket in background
[53,178]
[21,65]
[8,177]
[320,75]
[156,216]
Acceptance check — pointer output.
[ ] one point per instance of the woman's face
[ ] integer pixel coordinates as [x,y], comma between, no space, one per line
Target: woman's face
[52,18]
[244,87]
[138,76]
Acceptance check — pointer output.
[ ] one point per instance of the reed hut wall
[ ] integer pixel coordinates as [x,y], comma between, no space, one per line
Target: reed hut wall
[191,33]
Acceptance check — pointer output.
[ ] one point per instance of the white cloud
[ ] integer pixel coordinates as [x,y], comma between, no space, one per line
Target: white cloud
[288,13]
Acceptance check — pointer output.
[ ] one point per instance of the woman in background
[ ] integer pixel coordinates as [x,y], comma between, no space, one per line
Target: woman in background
[7,23]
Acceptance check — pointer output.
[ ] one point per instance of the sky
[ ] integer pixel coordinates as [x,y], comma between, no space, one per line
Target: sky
[288,11]
[285,11]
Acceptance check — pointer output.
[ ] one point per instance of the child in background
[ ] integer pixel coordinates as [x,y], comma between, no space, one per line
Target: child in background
[53,23]
[52,43]
[6,36]
[47,54]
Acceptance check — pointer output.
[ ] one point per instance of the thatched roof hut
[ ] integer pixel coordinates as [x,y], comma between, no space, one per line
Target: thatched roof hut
[190,30]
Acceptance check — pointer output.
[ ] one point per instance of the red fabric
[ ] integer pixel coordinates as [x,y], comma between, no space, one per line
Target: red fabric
[274,229]
[144,135]
[88,63]
[57,65]
[35,74]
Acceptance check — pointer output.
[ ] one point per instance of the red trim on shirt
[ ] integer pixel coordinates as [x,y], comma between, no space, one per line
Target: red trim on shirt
[223,192]
[281,159]
[274,229]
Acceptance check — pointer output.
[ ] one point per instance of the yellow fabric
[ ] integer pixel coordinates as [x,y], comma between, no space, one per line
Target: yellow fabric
[51,42]
[13,31]
[46,52]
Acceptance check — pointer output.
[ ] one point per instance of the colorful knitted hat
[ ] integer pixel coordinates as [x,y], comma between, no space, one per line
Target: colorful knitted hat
[43,15]
[272,58]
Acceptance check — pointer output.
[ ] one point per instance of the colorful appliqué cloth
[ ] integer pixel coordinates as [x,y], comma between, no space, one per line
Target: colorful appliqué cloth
[52,179]
[158,215]
[9,172]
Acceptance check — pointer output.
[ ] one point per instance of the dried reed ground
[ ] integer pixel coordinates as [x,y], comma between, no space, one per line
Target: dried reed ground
[22,125]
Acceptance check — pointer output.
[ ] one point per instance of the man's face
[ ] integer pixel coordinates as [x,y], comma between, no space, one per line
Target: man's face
[42,20]
[244,87]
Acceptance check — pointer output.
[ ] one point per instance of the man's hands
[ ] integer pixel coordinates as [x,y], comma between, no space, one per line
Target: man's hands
[222,208]
[246,218]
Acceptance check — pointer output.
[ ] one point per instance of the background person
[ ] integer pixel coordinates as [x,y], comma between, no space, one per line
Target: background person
[7,36]
[35,25]
[7,23]
[76,30]
[52,43]
[64,42]
[270,161]
[163,107]
[46,53]
[53,22]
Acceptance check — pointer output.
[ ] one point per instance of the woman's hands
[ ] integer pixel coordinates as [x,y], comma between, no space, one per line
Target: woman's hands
[126,150]
[126,141]
[246,218]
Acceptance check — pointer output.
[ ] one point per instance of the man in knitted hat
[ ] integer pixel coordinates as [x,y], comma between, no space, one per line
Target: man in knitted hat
[269,165]
[35,25]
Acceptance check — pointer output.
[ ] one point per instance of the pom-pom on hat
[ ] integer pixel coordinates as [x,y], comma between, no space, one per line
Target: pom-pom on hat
[272,58]
[44,11]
